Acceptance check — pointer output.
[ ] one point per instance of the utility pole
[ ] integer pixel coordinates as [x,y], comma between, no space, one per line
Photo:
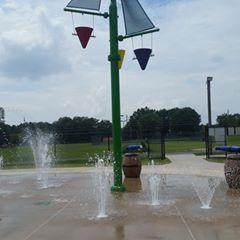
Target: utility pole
[209,80]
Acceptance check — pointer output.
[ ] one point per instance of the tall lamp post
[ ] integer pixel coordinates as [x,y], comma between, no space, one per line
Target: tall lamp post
[210,145]
[209,80]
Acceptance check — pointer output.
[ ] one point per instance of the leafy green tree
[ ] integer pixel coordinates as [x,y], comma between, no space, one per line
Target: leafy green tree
[150,123]
[105,128]
[184,120]
[142,123]
[81,129]
[229,120]
[164,120]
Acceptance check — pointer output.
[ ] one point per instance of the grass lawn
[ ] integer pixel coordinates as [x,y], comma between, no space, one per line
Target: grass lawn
[217,159]
[67,155]
[183,146]
[78,154]
[233,140]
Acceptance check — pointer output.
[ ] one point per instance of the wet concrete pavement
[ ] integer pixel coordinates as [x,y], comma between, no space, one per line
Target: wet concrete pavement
[69,210]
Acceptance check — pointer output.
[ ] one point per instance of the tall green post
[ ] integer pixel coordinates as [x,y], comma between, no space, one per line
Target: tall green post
[116,121]
[114,58]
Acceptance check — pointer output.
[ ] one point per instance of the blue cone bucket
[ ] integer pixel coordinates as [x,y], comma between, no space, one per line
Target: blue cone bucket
[143,55]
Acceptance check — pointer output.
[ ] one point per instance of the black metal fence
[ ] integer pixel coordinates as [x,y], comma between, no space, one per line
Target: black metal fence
[74,145]
[219,136]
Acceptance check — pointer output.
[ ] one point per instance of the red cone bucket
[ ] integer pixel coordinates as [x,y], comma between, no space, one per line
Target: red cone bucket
[143,55]
[84,34]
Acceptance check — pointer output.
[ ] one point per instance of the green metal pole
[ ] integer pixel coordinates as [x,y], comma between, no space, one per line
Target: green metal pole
[114,58]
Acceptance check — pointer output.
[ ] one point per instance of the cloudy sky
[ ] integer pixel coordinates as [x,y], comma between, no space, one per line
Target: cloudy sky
[44,73]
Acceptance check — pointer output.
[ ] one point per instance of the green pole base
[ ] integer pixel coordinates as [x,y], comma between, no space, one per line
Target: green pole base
[118,188]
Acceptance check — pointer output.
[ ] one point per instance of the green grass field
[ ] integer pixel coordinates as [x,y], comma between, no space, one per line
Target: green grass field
[78,154]
[234,140]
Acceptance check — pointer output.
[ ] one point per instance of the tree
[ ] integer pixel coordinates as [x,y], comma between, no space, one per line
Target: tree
[81,129]
[164,120]
[149,123]
[142,123]
[229,120]
[184,121]
[105,128]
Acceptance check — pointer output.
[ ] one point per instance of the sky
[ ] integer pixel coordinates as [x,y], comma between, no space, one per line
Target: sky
[45,74]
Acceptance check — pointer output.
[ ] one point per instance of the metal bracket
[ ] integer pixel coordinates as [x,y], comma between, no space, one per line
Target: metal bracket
[121,37]
[76,10]
[114,58]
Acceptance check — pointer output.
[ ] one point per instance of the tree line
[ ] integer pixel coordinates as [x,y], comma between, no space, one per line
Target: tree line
[229,120]
[66,130]
[150,123]
[143,123]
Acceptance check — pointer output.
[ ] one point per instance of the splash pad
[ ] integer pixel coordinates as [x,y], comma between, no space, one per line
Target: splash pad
[71,208]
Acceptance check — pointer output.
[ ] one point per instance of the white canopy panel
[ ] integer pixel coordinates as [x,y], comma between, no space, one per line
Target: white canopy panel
[85,4]
[136,19]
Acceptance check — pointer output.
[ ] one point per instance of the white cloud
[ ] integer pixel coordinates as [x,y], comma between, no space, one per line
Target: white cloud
[44,71]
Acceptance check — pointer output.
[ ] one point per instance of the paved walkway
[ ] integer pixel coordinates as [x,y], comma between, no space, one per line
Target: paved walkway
[182,164]
[189,164]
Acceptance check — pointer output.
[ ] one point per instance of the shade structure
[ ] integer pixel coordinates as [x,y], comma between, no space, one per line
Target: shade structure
[85,4]
[84,34]
[143,55]
[136,19]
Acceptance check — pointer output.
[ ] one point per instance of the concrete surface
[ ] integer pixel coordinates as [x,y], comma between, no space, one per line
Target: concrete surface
[69,209]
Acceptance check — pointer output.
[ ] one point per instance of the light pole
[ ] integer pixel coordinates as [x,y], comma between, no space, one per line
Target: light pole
[209,80]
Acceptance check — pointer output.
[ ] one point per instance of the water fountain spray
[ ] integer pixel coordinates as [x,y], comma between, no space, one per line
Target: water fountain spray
[41,144]
[205,188]
[154,183]
[102,183]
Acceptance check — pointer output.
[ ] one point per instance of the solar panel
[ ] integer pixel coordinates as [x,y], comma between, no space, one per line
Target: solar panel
[85,4]
[136,19]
